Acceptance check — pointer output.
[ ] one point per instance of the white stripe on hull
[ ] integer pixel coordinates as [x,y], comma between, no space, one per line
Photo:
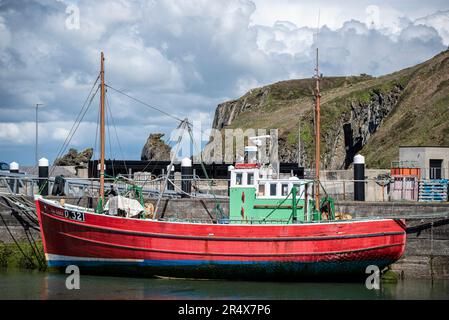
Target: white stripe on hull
[57,257]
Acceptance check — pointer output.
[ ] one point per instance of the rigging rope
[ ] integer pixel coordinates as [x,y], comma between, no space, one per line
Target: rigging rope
[187,123]
[96,140]
[166,141]
[278,206]
[146,104]
[149,106]
[120,146]
[108,124]
[157,109]
[78,119]
[115,129]
[217,204]
[181,126]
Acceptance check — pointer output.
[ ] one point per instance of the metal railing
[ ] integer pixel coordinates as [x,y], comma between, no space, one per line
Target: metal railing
[344,190]
[226,220]
[340,189]
[17,183]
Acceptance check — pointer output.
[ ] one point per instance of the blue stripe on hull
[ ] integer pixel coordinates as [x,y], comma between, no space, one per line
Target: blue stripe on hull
[224,269]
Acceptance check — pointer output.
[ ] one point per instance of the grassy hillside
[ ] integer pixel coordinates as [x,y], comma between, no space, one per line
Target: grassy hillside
[373,116]
[421,116]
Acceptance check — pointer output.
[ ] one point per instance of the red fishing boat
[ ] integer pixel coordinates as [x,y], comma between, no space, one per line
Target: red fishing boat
[196,250]
[275,230]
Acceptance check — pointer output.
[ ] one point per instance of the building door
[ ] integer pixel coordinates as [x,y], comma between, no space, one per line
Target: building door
[435,168]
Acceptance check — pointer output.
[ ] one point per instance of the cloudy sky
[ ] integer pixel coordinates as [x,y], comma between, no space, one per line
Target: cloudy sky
[184,57]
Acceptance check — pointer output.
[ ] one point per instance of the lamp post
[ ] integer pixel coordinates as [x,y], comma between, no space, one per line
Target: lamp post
[37,131]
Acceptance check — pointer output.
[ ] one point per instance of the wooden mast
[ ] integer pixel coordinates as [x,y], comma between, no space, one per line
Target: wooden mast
[102,132]
[317,134]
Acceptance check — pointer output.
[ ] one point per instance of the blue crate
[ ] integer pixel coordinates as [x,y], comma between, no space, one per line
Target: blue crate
[433,190]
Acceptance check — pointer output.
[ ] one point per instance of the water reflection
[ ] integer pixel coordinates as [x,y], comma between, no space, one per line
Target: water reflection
[37,285]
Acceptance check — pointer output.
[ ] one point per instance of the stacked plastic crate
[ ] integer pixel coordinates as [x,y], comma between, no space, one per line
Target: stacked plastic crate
[433,190]
[405,177]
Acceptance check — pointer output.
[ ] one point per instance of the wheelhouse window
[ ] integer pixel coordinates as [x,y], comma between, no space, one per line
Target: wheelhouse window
[261,191]
[273,188]
[250,178]
[238,179]
[284,189]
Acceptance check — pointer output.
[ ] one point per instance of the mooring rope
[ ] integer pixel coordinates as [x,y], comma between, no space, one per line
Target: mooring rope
[26,226]
[16,242]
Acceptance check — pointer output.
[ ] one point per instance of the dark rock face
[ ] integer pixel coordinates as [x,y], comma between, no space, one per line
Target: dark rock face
[155,148]
[353,128]
[365,119]
[75,158]
[288,153]
[227,112]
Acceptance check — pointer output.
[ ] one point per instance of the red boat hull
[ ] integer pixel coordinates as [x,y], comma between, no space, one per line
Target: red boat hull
[194,250]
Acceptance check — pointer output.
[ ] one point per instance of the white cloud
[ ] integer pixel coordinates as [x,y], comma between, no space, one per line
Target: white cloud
[133,64]
[439,21]
[243,85]
[284,37]
[5,35]
[419,32]
[14,133]
[23,133]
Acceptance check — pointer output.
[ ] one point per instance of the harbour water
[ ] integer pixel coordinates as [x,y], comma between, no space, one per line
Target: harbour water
[15,284]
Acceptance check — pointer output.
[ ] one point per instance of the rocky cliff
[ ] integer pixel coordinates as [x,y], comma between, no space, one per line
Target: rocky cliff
[359,114]
[155,148]
[75,158]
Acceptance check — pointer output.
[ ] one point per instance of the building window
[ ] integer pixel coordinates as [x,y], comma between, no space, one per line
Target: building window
[273,188]
[250,178]
[435,168]
[284,189]
[238,179]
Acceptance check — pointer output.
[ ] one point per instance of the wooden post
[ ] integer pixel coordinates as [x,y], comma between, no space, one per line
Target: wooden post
[102,132]
[317,135]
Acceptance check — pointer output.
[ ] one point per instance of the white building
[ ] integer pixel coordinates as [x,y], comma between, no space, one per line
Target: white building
[433,161]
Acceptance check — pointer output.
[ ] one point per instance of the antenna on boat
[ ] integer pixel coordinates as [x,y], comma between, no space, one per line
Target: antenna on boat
[317,123]
[102,133]
[299,143]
